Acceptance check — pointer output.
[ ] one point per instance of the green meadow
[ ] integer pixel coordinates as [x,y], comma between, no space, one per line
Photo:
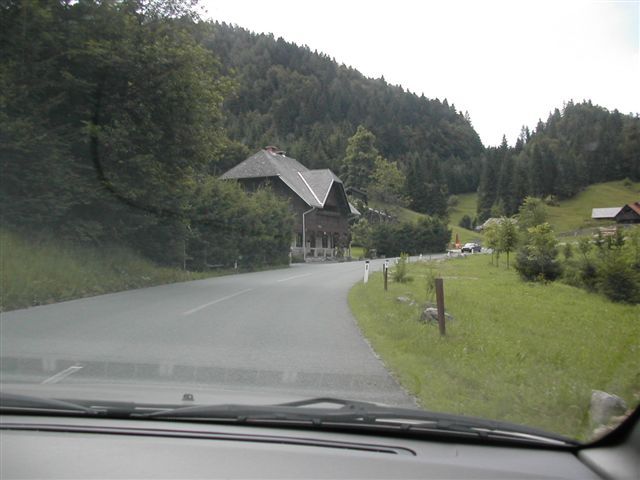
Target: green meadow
[521,352]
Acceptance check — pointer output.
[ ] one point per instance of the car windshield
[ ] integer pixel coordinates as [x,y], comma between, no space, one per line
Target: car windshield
[426,206]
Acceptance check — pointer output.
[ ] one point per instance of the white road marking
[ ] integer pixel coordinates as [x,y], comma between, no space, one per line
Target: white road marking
[293,278]
[197,309]
[63,374]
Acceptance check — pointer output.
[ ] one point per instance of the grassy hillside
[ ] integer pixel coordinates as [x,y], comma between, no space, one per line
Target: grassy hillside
[37,272]
[467,203]
[466,206]
[403,214]
[575,213]
[515,351]
[569,215]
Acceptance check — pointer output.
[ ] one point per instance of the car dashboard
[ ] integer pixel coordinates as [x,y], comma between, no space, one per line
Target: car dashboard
[55,447]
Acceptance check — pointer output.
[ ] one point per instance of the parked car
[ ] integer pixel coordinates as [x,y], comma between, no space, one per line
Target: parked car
[471,248]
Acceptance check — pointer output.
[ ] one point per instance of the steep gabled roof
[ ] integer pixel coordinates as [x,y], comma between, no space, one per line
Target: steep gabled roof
[266,163]
[320,182]
[605,213]
[635,206]
[312,186]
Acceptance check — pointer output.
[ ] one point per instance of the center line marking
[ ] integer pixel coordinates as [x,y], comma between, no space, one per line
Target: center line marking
[197,309]
[62,375]
[292,278]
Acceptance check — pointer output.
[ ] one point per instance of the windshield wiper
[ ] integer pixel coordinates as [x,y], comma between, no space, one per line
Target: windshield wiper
[347,413]
[11,403]
[305,413]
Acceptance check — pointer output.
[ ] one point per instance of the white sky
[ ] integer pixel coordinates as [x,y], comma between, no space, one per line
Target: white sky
[508,63]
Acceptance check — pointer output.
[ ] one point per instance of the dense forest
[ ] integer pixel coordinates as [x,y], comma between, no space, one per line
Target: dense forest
[578,146]
[117,116]
[110,125]
[302,100]
[305,101]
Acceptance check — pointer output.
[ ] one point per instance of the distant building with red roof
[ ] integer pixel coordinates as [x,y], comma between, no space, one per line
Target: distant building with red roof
[630,213]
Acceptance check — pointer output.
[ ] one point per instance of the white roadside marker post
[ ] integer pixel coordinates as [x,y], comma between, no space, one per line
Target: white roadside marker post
[366,271]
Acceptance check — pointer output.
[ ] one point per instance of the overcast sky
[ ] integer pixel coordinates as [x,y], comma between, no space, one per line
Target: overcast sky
[508,63]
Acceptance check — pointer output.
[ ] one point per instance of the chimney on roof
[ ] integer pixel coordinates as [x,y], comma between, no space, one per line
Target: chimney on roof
[274,150]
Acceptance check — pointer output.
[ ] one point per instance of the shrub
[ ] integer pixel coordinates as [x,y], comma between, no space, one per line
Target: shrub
[537,268]
[571,275]
[466,222]
[426,235]
[361,234]
[400,272]
[567,251]
[589,275]
[430,284]
[580,274]
[584,246]
[634,246]
[536,260]
[507,236]
[618,280]
[491,240]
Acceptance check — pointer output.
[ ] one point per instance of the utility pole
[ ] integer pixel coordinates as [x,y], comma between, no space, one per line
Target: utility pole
[304,234]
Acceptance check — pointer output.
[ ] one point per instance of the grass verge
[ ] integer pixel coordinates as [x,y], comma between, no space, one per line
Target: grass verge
[36,272]
[520,352]
[467,204]
[575,213]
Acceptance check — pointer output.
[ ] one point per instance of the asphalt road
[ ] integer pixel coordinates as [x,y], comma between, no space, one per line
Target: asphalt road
[287,330]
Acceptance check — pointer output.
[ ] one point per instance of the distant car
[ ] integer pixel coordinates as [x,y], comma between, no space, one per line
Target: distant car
[471,248]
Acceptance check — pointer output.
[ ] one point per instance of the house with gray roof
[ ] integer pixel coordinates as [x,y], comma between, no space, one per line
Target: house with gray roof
[317,199]
[629,213]
[607,213]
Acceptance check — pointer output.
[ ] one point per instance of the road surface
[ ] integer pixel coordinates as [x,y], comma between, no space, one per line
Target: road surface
[287,330]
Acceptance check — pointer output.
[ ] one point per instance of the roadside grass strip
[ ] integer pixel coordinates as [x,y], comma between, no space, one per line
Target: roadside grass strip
[38,272]
[528,353]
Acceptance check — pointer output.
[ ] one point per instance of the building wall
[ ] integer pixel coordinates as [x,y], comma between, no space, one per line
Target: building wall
[627,216]
[326,228]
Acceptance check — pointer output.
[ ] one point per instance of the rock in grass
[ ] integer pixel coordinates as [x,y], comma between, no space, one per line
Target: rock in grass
[406,300]
[430,315]
[604,407]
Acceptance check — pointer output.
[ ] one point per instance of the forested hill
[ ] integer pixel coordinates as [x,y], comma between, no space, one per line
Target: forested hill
[306,103]
[581,145]
[117,116]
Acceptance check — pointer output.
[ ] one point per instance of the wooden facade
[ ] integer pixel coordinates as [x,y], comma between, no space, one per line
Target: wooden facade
[630,213]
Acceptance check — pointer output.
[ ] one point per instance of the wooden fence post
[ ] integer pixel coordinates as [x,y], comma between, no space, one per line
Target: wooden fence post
[440,304]
[386,275]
